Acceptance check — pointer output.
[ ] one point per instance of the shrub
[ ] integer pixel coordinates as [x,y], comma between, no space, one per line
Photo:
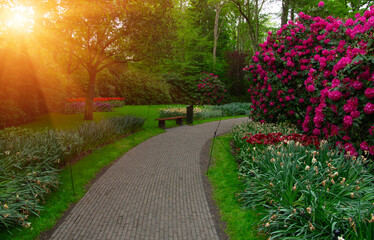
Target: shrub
[29,162]
[142,88]
[233,109]
[305,193]
[210,90]
[319,73]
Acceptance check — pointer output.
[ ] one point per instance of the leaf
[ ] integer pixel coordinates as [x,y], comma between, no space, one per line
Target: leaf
[357,59]
[369,43]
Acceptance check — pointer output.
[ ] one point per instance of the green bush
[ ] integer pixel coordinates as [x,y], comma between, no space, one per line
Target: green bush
[304,192]
[233,109]
[29,162]
[141,88]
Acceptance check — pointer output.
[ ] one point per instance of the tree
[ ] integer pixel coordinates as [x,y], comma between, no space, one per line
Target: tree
[218,5]
[250,10]
[100,34]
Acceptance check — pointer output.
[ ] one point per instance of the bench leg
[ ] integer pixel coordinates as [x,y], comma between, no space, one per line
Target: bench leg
[161,124]
[180,121]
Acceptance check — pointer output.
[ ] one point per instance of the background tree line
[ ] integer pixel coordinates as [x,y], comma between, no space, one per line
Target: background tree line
[149,51]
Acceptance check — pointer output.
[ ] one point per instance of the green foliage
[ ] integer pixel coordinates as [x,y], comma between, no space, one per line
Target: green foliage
[181,88]
[336,8]
[141,88]
[29,160]
[306,193]
[232,109]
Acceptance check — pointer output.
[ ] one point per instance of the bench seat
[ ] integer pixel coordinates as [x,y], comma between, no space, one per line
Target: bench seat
[161,121]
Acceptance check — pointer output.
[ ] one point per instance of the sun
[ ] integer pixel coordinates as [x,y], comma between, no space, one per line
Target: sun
[18,18]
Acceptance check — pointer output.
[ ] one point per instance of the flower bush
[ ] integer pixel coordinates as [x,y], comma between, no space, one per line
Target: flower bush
[210,90]
[302,192]
[319,73]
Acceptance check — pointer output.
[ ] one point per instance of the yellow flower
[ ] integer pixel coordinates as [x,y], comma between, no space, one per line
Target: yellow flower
[309,210]
[5,206]
[311,227]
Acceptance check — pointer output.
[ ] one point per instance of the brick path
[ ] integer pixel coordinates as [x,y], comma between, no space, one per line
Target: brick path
[155,191]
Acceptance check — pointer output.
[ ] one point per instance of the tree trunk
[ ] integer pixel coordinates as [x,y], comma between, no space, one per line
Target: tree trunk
[285,9]
[238,47]
[216,32]
[88,113]
[292,14]
[257,26]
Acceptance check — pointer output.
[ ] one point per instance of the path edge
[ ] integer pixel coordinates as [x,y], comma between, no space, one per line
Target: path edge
[219,225]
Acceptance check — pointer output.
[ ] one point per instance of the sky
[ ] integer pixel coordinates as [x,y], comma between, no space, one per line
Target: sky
[274,8]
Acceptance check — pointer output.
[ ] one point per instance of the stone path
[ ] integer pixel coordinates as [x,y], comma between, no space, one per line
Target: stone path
[154,191]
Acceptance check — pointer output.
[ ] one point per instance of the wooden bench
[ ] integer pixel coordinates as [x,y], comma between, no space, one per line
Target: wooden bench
[161,121]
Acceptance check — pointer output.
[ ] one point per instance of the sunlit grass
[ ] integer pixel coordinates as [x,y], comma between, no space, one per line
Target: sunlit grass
[223,175]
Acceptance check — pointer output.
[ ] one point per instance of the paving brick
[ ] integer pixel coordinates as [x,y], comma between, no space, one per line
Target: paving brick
[154,191]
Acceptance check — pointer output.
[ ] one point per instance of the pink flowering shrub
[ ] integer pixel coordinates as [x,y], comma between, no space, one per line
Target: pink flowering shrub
[319,73]
[210,90]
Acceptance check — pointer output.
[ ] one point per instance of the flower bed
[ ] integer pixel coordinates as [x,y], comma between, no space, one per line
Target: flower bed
[208,111]
[77,105]
[304,192]
[319,73]
[29,162]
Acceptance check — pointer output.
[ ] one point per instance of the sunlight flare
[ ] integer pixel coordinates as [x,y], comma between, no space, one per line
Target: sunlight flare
[18,18]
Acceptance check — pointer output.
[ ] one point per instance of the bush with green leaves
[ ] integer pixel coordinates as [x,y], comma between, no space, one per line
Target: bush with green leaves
[233,109]
[30,159]
[304,192]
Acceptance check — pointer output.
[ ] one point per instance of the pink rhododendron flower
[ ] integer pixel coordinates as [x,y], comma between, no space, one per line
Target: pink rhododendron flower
[335,95]
[316,131]
[357,85]
[364,146]
[347,120]
[369,93]
[321,4]
[355,114]
[311,88]
[351,105]
[301,100]
[346,138]
[335,83]
[371,130]
[369,108]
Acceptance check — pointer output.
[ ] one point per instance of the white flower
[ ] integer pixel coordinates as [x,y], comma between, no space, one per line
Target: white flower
[340,238]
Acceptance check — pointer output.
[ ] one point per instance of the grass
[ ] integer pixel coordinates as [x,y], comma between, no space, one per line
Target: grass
[87,168]
[240,224]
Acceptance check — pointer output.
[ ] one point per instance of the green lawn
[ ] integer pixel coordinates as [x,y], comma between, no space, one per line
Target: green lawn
[223,175]
[87,168]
